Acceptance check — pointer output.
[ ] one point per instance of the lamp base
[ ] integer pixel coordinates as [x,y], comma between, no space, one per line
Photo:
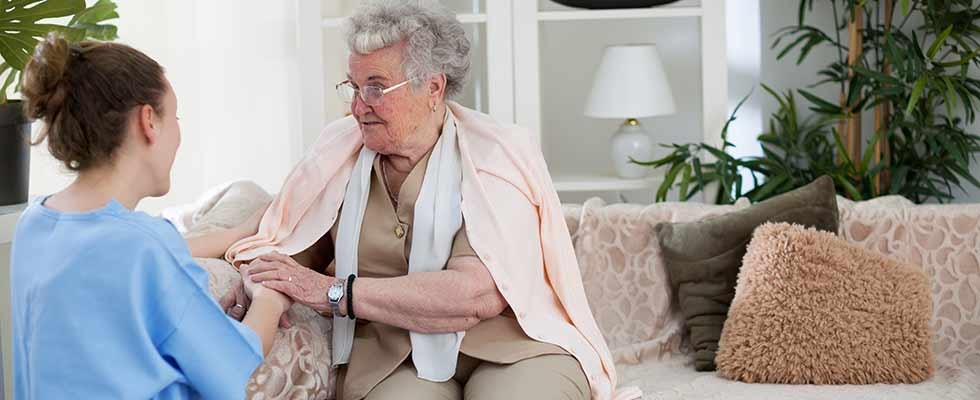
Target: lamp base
[631,141]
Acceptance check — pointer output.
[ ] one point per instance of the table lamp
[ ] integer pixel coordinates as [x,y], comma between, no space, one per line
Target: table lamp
[629,84]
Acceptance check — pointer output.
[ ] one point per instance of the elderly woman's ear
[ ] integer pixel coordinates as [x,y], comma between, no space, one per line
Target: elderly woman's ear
[436,89]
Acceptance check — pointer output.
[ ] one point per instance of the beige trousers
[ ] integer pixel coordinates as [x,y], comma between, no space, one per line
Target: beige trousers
[541,377]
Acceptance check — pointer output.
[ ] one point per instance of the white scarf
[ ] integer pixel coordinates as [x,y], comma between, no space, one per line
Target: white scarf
[437,219]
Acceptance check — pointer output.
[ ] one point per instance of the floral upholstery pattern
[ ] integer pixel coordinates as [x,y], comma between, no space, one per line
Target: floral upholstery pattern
[627,287]
[624,273]
[944,240]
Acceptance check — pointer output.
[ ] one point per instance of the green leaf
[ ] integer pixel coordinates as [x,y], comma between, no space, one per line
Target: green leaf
[876,75]
[805,50]
[841,150]
[949,96]
[801,13]
[848,187]
[905,7]
[699,174]
[102,10]
[938,42]
[669,181]
[685,181]
[920,84]
[11,77]
[89,20]
[791,46]
[19,30]
[854,92]
[15,48]
[822,105]
[965,174]
[98,32]
[869,151]
[40,9]
[898,178]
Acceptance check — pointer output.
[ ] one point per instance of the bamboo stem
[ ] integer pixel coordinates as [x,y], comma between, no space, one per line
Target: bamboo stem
[882,114]
[850,126]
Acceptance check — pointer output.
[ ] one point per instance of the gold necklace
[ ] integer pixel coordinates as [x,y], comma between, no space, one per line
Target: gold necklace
[384,179]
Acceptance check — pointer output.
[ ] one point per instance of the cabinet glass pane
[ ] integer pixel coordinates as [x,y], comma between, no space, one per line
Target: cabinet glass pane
[550,5]
[340,8]
[576,144]
[335,55]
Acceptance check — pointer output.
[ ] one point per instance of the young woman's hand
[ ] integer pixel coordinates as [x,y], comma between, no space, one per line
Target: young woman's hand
[256,292]
[236,301]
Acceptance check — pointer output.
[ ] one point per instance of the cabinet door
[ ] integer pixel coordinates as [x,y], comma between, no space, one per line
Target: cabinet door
[489,86]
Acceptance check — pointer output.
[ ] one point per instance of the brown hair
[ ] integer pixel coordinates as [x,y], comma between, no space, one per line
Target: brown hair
[84,93]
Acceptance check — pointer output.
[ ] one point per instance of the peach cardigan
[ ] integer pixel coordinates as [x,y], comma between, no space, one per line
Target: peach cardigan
[513,219]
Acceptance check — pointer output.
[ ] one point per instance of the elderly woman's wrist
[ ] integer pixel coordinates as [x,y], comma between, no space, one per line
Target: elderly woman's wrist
[322,300]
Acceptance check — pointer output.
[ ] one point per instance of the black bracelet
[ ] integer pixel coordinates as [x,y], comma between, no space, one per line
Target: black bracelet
[350,296]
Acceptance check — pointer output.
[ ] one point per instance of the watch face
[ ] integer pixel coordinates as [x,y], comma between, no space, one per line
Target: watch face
[335,293]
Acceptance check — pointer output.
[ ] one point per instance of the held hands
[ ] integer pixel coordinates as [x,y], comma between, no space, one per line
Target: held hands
[258,292]
[283,274]
[239,298]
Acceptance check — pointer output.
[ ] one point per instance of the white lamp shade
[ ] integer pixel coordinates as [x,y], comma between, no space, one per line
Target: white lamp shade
[630,83]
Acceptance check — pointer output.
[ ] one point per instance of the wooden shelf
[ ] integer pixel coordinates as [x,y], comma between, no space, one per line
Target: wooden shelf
[602,183]
[645,13]
[480,18]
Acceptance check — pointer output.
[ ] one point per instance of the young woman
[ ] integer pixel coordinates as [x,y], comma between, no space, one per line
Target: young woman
[108,302]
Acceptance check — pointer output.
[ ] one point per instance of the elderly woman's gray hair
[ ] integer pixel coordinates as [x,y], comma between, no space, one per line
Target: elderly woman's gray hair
[436,41]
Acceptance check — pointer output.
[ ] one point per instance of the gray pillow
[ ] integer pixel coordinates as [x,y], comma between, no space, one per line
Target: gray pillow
[703,257]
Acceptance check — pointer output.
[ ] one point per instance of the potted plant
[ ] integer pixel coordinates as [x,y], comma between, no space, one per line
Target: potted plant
[912,78]
[23,23]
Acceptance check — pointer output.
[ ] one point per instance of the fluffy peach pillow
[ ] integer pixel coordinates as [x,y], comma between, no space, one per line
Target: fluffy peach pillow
[810,308]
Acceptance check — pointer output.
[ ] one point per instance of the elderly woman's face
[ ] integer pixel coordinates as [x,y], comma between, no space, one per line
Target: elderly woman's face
[387,126]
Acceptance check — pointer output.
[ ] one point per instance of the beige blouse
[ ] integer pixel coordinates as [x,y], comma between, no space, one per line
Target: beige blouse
[386,241]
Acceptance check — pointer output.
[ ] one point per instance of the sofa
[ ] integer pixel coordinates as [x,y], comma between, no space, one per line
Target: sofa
[629,293]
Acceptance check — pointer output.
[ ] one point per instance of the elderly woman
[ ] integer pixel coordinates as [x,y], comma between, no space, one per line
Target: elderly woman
[431,234]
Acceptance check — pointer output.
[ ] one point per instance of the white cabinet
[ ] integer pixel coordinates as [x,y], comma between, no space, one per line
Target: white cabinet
[8,220]
[533,65]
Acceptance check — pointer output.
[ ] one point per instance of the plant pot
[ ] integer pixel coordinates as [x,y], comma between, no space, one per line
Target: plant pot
[607,4]
[15,153]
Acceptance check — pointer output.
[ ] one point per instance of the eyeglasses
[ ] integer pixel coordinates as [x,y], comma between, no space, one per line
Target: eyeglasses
[371,95]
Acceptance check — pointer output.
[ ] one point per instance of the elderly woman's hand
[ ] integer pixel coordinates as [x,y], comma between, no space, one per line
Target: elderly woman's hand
[283,274]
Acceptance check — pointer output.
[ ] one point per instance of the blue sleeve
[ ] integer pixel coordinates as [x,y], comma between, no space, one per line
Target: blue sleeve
[216,354]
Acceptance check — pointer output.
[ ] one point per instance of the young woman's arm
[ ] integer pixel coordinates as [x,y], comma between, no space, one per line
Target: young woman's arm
[265,311]
[214,245]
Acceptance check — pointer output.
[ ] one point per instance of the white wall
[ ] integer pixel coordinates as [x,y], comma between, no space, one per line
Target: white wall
[744,33]
[785,74]
[232,64]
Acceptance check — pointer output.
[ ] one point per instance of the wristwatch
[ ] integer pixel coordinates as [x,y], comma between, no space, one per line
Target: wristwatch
[335,294]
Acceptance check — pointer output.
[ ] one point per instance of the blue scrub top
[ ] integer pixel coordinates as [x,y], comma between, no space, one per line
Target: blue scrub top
[109,304]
